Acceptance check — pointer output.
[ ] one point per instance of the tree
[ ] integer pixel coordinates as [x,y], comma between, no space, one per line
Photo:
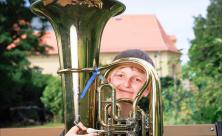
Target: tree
[206,64]
[20,85]
[205,53]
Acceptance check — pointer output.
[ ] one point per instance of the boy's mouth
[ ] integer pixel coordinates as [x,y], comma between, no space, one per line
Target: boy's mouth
[126,91]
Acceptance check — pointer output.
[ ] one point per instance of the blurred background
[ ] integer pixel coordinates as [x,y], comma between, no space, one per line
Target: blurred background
[184,39]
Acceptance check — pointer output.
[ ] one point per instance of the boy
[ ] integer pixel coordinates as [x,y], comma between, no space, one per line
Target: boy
[127,80]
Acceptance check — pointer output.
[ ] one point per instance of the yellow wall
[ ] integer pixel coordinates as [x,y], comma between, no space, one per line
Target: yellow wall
[49,64]
[166,63]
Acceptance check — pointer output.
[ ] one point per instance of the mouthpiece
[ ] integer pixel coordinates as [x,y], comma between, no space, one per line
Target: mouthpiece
[91,130]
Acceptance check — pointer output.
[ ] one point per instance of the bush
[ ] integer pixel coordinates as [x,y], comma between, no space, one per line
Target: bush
[168,81]
[19,95]
[178,105]
[208,103]
[53,99]
[177,102]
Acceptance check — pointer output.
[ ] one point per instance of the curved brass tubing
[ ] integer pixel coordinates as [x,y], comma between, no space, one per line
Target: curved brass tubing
[154,98]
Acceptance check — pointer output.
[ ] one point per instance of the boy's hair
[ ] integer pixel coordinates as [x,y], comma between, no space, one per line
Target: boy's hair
[135,53]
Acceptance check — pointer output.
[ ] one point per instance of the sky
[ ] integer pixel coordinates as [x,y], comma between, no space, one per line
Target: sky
[176,17]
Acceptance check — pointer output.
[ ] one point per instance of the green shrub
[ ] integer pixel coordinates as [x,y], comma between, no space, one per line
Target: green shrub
[20,98]
[178,105]
[53,99]
[208,103]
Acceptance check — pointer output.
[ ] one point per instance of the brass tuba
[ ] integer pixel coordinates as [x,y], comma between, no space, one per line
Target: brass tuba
[78,26]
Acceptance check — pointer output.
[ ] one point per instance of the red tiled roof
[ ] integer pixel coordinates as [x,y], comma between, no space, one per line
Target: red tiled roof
[135,31]
[129,32]
[50,39]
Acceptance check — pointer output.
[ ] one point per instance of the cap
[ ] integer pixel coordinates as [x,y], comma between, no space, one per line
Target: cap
[135,53]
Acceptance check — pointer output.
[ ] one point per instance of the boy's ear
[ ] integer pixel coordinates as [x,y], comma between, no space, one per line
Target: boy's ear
[146,92]
[108,78]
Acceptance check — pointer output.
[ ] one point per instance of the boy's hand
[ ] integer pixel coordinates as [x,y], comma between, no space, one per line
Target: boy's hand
[79,130]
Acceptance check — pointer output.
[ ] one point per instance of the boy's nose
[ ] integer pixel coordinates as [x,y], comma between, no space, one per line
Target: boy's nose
[126,83]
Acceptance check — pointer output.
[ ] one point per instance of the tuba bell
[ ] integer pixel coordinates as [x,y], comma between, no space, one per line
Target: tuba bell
[78,26]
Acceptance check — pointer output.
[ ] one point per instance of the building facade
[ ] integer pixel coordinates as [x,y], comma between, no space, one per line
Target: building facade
[142,32]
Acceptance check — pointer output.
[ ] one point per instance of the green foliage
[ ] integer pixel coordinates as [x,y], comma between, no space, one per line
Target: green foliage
[178,104]
[52,98]
[20,86]
[20,99]
[168,81]
[208,108]
[205,66]
[205,52]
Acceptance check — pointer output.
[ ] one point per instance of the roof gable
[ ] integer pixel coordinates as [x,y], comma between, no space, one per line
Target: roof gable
[135,31]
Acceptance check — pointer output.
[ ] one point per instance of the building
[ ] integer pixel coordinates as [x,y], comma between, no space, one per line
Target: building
[126,32]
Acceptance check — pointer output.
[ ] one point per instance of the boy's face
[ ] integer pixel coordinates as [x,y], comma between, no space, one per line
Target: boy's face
[128,81]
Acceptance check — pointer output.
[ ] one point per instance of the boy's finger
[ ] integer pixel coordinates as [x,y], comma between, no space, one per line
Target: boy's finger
[82,126]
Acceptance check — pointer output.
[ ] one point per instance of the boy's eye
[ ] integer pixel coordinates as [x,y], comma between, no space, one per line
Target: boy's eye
[138,80]
[120,75]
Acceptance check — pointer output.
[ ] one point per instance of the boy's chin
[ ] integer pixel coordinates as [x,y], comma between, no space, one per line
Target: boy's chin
[124,97]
